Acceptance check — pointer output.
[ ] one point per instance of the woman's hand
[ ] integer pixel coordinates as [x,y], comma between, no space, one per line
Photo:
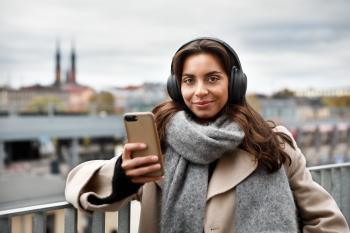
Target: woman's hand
[136,168]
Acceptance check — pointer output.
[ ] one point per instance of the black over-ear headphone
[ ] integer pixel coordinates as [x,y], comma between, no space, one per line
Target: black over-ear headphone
[237,82]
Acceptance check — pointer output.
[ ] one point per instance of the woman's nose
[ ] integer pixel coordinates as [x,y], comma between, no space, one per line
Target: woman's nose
[201,90]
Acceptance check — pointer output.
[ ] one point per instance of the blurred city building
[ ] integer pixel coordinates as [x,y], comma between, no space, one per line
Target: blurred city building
[320,124]
[63,95]
[312,92]
[294,110]
[138,98]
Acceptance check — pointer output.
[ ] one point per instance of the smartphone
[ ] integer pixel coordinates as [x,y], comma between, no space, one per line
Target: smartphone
[140,127]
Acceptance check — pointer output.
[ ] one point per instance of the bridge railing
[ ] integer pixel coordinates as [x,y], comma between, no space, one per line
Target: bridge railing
[334,178]
[39,213]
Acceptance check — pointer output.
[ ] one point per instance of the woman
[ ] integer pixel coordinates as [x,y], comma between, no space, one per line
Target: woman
[226,169]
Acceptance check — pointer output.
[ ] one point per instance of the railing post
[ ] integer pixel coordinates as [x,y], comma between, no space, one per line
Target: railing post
[70,220]
[124,219]
[345,197]
[336,185]
[5,224]
[326,179]
[316,176]
[98,222]
[39,222]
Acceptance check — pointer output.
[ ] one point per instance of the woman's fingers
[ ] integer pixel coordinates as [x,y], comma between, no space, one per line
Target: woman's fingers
[130,147]
[137,168]
[141,171]
[139,161]
[145,179]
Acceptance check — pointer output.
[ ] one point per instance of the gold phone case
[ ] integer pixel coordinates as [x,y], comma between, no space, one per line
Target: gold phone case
[141,127]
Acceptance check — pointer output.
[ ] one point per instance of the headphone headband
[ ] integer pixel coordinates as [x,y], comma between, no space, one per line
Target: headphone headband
[223,43]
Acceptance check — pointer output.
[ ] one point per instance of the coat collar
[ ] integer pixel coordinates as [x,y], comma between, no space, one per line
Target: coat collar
[230,170]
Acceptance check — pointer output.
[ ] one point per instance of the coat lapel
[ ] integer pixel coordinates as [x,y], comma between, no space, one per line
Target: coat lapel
[230,170]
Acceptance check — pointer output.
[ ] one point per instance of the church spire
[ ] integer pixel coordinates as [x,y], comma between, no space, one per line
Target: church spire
[72,73]
[58,65]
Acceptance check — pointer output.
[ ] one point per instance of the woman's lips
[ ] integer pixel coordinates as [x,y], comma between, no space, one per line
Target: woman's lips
[203,104]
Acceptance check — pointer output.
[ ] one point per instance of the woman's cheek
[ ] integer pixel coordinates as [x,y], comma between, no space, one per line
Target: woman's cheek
[186,94]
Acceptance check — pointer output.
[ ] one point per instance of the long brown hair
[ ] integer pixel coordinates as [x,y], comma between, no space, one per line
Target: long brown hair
[260,140]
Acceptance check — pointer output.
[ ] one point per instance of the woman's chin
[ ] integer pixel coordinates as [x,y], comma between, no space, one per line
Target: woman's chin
[203,118]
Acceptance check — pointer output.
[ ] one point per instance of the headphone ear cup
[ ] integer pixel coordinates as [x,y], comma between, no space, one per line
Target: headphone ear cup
[243,86]
[238,86]
[174,90]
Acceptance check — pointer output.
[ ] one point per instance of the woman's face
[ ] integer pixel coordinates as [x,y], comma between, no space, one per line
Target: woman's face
[204,85]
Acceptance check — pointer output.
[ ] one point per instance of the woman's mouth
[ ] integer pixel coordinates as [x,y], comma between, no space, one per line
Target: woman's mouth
[203,104]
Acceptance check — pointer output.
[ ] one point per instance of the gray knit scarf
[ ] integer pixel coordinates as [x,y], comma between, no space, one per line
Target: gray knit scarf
[191,147]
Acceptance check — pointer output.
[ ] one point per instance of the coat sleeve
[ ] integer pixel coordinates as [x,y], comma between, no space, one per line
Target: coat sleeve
[317,209]
[91,182]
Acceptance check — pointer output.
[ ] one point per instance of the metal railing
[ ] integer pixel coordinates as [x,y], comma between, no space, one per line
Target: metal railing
[39,212]
[334,178]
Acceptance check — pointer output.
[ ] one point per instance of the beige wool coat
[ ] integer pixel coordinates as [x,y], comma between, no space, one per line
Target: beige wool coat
[318,210]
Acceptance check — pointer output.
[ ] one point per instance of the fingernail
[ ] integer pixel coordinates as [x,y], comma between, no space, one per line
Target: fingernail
[143,145]
[154,158]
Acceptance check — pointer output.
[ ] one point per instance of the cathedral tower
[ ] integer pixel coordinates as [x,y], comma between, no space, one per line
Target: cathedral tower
[72,72]
[58,66]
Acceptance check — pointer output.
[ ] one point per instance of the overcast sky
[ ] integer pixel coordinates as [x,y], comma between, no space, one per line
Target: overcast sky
[281,43]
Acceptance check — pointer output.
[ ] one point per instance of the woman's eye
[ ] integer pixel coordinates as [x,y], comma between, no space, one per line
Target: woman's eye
[187,80]
[213,79]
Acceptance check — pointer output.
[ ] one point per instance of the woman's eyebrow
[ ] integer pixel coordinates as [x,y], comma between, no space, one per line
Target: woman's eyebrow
[187,75]
[206,74]
[213,72]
